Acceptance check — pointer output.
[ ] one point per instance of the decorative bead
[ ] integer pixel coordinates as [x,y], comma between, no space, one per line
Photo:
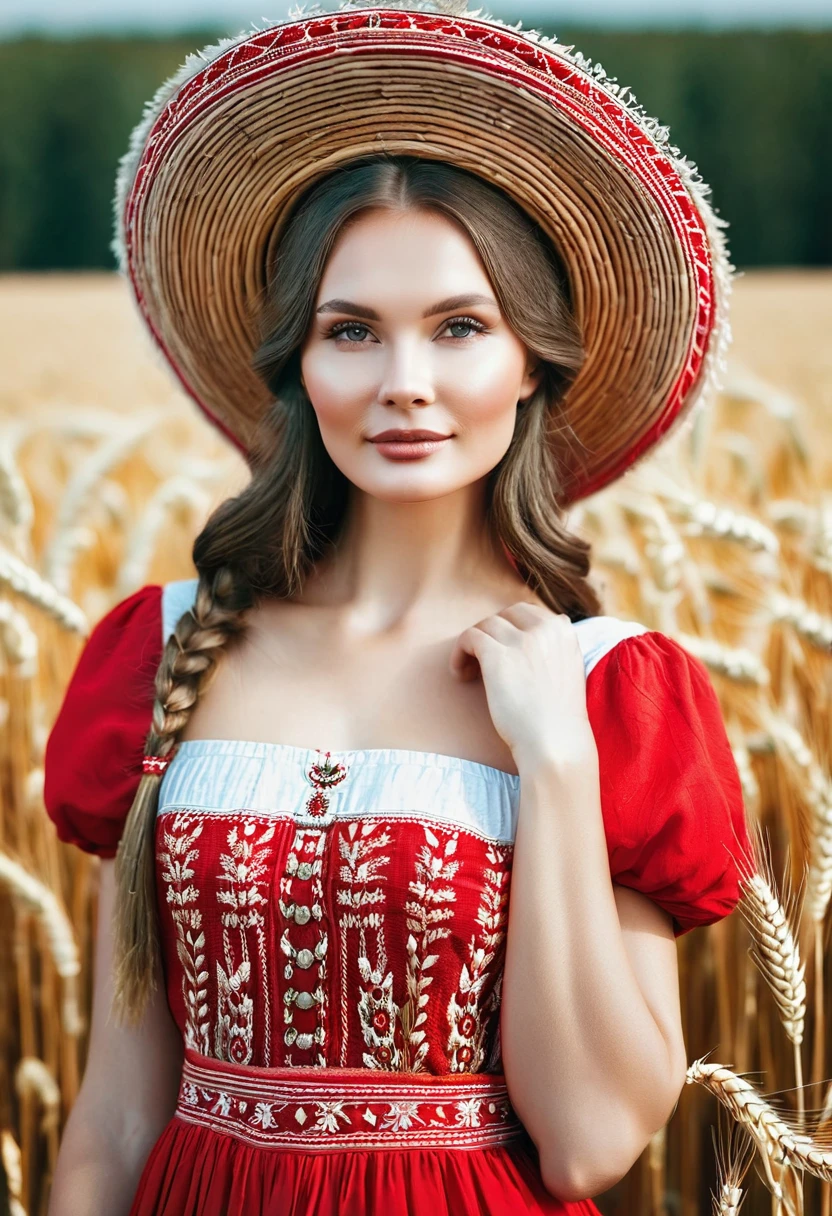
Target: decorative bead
[156,764]
[323,775]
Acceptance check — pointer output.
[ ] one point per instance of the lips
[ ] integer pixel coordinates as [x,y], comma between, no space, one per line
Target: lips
[403,436]
[401,445]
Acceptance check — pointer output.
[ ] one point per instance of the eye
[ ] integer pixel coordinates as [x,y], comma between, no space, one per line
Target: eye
[353,331]
[469,323]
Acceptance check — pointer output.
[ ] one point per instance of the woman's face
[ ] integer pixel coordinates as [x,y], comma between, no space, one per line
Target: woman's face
[408,334]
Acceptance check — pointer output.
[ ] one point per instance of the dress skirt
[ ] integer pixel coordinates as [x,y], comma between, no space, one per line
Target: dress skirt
[338,1142]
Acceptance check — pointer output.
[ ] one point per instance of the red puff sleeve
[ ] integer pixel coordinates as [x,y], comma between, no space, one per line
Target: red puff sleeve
[670,790]
[93,757]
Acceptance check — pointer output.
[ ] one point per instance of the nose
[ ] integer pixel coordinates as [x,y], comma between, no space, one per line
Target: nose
[407,378]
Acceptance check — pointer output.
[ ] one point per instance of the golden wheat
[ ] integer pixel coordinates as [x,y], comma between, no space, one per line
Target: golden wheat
[723,540]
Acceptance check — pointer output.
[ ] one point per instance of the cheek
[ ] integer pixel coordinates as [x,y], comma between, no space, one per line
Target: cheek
[489,389]
[336,386]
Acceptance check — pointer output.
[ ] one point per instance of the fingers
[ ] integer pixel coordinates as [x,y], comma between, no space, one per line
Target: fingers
[527,615]
[503,627]
[465,656]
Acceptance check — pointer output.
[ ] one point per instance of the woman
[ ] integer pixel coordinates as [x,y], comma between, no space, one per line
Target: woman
[404,827]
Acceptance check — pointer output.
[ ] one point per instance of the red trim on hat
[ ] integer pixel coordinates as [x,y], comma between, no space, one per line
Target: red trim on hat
[494,50]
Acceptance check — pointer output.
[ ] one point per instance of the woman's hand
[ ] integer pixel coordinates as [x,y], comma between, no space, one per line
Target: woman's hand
[533,671]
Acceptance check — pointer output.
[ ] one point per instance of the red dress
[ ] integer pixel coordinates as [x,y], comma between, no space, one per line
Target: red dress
[334,924]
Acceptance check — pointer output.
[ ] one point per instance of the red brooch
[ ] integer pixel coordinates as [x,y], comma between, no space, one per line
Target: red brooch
[323,776]
[156,764]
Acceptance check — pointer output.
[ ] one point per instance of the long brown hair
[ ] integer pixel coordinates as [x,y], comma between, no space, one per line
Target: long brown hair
[265,540]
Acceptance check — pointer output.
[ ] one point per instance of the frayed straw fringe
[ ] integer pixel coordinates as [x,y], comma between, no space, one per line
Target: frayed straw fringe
[714,365]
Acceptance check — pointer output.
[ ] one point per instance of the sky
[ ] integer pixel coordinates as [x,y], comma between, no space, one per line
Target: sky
[79,16]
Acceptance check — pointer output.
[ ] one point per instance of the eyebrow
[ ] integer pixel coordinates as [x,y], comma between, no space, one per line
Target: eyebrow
[469,300]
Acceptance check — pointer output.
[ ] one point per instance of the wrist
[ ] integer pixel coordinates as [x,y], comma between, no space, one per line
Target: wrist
[560,759]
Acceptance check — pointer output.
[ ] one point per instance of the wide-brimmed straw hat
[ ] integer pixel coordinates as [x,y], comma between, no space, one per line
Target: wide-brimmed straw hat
[226,145]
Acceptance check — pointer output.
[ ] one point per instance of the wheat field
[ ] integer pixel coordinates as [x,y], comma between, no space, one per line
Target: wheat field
[722,540]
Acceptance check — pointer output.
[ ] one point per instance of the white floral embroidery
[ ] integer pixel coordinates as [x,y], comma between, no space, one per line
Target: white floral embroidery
[359,845]
[189,1094]
[434,868]
[468,1112]
[264,1115]
[177,858]
[465,1045]
[328,1115]
[222,1105]
[245,870]
[401,1115]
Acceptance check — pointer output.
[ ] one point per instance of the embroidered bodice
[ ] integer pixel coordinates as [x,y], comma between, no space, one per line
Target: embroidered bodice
[348,909]
[351,908]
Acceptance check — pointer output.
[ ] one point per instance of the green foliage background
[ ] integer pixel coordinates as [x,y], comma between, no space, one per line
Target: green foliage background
[751,108]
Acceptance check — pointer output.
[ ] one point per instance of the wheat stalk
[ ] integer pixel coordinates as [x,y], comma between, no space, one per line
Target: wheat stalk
[809,624]
[26,582]
[810,523]
[663,547]
[11,1162]
[734,1151]
[19,641]
[16,506]
[776,953]
[735,663]
[173,495]
[33,1077]
[709,520]
[816,790]
[821,551]
[69,536]
[748,778]
[775,950]
[779,1143]
[41,900]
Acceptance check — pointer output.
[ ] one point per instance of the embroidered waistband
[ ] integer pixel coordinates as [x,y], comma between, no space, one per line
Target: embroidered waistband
[344,1108]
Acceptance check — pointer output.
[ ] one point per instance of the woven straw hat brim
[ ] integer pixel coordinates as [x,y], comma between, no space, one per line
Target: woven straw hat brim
[225,146]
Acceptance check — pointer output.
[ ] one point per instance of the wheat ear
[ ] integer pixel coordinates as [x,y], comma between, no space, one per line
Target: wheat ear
[779,1143]
[734,1151]
[775,950]
[60,935]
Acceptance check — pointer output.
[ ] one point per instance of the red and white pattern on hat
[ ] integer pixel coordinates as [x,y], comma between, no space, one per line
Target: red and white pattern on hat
[564,78]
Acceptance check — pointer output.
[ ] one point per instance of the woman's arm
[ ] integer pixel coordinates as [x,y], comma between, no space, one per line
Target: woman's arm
[590,1022]
[128,1092]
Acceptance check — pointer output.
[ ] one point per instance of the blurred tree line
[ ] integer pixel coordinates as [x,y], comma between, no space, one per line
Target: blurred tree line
[751,108]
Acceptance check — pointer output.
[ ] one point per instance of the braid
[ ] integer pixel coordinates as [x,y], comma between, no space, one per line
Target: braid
[187,667]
